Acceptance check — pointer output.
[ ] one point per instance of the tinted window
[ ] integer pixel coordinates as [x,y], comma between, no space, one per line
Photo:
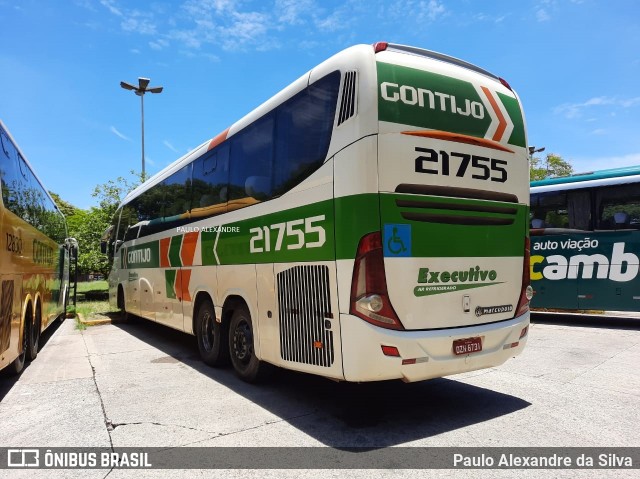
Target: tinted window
[569,209]
[303,132]
[12,180]
[618,207]
[129,222]
[210,183]
[177,194]
[549,210]
[250,165]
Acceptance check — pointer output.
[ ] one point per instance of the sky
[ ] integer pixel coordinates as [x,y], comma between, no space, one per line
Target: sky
[574,63]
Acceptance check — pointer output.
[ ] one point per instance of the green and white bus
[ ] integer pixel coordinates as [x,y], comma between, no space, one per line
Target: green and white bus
[34,258]
[585,241]
[368,222]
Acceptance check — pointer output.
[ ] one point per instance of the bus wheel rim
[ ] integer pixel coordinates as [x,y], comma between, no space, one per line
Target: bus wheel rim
[207,332]
[242,342]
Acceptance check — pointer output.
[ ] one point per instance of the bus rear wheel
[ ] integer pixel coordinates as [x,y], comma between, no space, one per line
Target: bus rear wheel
[241,348]
[33,335]
[211,337]
[18,364]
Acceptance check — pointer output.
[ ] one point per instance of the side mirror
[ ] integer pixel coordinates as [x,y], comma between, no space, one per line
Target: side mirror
[103,247]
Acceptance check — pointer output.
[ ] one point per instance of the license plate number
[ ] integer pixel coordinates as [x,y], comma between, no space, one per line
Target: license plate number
[467,346]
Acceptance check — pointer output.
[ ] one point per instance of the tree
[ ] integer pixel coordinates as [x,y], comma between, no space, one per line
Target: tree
[65,207]
[551,167]
[88,226]
[111,193]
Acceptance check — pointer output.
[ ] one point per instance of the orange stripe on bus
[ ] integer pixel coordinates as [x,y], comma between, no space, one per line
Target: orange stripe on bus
[218,139]
[188,250]
[502,124]
[458,137]
[183,277]
[164,252]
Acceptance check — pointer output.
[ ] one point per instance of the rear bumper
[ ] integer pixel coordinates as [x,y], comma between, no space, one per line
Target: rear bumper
[363,359]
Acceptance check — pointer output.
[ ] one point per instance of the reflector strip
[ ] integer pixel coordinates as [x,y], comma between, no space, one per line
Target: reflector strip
[390,351]
[458,137]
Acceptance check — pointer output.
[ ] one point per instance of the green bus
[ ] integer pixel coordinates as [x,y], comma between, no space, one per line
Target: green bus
[585,241]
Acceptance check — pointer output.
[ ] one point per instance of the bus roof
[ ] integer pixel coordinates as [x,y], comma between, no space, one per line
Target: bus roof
[613,176]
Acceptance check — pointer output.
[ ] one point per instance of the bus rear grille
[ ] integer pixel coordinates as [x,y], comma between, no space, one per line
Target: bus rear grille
[304,304]
[6,309]
[440,212]
[348,103]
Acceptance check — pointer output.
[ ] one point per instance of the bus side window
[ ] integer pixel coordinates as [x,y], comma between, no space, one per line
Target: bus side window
[303,132]
[12,180]
[250,164]
[618,207]
[210,183]
[177,195]
[128,219]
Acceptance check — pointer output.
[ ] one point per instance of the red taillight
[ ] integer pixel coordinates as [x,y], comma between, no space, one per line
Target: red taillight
[369,296]
[380,46]
[527,292]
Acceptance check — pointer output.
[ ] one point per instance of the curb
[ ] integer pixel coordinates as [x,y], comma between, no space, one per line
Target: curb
[93,322]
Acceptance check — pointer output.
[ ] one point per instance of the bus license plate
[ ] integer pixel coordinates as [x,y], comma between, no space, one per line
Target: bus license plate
[467,346]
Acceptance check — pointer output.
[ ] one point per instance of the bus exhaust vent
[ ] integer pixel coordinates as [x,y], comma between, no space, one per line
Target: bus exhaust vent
[6,308]
[305,311]
[348,104]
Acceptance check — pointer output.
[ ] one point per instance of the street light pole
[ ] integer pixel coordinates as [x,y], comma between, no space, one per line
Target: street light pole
[140,90]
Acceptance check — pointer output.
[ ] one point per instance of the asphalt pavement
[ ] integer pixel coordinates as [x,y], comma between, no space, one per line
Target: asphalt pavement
[142,385]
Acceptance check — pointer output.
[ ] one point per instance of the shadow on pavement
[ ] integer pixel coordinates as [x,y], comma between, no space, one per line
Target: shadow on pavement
[7,380]
[342,415]
[586,320]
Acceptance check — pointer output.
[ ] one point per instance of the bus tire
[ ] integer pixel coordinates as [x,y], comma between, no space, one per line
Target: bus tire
[212,339]
[243,358]
[18,364]
[33,336]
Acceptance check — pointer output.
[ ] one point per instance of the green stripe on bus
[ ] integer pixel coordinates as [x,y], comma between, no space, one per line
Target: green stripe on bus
[331,229]
[515,113]
[356,216]
[294,235]
[145,255]
[174,251]
[442,239]
[170,281]
[430,100]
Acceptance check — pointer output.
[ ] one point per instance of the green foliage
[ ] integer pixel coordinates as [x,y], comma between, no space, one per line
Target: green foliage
[111,193]
[67,208]
[88,226]
[551,167]
[91,286]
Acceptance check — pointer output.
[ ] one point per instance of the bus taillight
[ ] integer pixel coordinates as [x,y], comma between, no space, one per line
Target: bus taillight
[527,291]
[380,46]
[369,296]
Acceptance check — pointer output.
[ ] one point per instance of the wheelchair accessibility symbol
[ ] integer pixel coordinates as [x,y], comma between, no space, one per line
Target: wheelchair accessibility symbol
[397,240]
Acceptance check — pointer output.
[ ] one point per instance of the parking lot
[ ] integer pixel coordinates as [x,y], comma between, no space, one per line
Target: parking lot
[131,385]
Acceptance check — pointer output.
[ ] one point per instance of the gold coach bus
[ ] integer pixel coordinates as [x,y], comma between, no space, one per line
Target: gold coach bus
[34,258]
